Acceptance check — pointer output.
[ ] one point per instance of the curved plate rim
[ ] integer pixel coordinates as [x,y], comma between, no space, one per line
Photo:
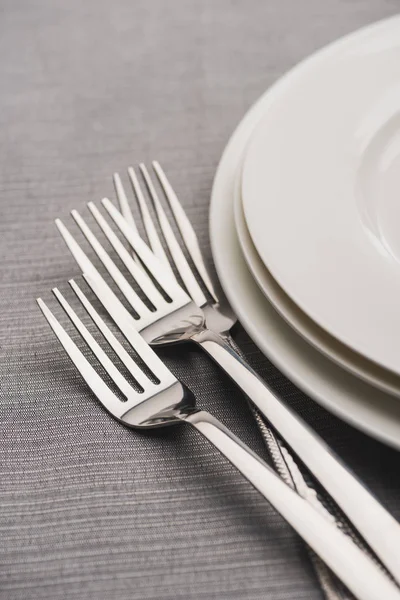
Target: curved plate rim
[353,328]
[362,412]
[333,349]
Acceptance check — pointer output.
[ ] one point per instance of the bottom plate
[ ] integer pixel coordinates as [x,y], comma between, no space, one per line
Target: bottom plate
[368,409]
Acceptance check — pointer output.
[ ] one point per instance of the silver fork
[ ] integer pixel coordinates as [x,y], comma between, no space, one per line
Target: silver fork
[168,402]
[180,319]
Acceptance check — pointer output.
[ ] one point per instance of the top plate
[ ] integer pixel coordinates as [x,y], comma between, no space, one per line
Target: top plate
[327,345]
[321,190]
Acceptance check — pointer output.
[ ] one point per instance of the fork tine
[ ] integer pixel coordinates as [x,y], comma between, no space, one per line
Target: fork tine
[125,209]
[153,264]
[151,231]
[99,353]
[185,227]
[178,256]
[103,290]
[141,277]
[92,378]
[83,261]
[122,318]
[130,332]
[123,202]
[118,348]
[134,300]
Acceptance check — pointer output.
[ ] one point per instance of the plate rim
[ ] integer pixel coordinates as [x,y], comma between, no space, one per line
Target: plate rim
[248,249]
[379,353]
[387,434]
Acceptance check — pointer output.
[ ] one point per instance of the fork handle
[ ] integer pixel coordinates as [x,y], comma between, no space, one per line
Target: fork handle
[357,570]
[373,521]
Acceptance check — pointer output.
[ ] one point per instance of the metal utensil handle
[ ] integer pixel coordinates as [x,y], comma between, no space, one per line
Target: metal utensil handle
[375,524]
[287,467]
[357,571]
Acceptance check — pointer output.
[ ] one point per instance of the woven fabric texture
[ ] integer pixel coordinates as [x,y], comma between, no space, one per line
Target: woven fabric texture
[90,510]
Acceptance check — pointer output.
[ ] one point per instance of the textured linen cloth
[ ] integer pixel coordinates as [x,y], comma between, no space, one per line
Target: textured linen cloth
[89,509]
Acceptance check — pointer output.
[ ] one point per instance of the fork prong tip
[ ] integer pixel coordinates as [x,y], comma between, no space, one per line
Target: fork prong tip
[42,305]
[132,175]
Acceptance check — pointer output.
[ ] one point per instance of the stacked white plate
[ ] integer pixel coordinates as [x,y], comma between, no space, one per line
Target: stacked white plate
[305,227]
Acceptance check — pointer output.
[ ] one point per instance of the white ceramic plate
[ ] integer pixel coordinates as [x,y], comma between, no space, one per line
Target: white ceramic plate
[321,190]
[372,411]
[318,337]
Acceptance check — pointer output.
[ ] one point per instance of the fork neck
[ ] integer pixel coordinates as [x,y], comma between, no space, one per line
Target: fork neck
[167,406]
[218,347]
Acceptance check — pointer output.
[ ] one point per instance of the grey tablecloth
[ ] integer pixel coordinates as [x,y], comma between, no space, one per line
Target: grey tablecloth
[89,509]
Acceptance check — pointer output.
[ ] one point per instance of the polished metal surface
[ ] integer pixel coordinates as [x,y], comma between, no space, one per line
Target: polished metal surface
[183,320]
[168,402]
